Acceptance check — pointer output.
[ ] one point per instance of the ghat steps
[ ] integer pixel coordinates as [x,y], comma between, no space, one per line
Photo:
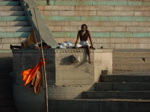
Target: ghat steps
[14,25]
[113,23]
[116,93]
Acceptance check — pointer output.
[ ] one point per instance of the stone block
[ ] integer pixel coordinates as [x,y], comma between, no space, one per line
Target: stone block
[11,8]
[102,62]
[2,23]
[11,41]
[50,13]
[121,40]
[7,46]
[77,13]
[101,40]
[132,8]
[142,13]
[62,71]
[141,40]
[105,7]
[79,23]
[104,46]
[56,23]
[118,23]
[50,8]
[138,29]
[106,29]
[12,13]
[13,18]
[55,28]
[9,3]
[16,23]
[115,13]
[132,46]
[145,24]
[96,18]
[71,29]
[68,92]
[127,60]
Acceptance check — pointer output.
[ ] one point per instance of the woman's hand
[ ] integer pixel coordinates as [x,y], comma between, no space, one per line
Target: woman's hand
[92,47]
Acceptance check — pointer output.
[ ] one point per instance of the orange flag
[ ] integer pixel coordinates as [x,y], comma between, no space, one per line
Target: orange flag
[29,74]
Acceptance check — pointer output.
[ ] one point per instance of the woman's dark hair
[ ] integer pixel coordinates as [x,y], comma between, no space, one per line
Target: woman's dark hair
[85,26]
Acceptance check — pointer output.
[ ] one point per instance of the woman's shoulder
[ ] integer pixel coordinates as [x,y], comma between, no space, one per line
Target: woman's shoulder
[79,31]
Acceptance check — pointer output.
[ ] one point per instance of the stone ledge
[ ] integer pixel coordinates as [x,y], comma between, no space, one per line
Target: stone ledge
[68,50]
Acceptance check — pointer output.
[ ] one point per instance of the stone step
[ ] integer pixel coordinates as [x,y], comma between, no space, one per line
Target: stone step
[5,53]
[97,18]
[13,18]
[105,34]
[14,23]
[95,13]
[116,94]
[7,46]
[132,67]
[11,8]
[121,40]
[95,3]
[14,34]
[116,44]
[16,29]
[99,105]
[100,29]
[126,78]
[9,3]
[6,103]
[7,109]
[12,13]
[115,41]
[133,60]
[94,8]
[122,86]
[122,46]
[131,53]
[12,40]
[99,23]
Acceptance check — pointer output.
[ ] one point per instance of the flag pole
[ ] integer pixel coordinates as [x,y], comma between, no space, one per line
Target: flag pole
[44,67]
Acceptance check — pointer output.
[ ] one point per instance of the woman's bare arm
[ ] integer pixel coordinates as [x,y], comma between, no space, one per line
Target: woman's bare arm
[91,40]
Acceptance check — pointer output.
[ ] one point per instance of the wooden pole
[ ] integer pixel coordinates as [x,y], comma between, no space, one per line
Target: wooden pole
[44,67]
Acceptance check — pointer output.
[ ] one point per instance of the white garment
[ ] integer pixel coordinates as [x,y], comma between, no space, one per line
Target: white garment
[83,44]
[66,44]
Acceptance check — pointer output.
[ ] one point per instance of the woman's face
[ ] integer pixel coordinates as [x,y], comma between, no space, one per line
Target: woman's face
[84,28]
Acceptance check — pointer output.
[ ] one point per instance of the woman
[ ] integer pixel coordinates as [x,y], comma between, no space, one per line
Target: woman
[84,35]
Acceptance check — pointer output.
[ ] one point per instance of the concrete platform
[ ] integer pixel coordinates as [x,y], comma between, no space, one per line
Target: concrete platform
[99,105]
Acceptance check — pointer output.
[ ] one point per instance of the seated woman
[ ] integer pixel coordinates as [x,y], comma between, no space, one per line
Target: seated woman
[84,35]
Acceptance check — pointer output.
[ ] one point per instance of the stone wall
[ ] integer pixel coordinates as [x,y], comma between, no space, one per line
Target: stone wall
[68,74]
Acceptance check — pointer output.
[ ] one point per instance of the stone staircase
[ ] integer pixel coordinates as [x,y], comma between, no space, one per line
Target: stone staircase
[14,28]
[14,25]
[114,93]
[130,61]
[119,24]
